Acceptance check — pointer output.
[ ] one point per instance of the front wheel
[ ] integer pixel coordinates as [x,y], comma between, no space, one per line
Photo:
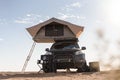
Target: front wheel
[45,68]
[54,69]
[83,68]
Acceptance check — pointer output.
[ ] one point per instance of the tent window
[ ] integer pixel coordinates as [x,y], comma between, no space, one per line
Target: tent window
[54,30]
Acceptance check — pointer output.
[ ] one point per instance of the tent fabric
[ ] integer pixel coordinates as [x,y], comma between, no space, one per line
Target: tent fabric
[74,28]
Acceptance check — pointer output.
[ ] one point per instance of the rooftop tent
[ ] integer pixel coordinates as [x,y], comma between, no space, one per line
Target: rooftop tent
[54,29]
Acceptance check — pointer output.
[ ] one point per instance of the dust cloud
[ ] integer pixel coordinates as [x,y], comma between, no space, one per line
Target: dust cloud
[108,59]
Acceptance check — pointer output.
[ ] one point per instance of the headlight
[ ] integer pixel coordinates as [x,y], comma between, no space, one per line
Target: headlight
[77,53]
[48,53]
[44,57]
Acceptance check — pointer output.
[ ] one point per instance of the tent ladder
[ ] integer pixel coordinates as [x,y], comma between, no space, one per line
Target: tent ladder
[28,57]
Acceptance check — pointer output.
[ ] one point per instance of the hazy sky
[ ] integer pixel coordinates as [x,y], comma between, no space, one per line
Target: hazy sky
[16,15]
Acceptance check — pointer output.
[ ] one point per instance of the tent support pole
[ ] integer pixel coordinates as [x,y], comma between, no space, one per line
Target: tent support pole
[28,57]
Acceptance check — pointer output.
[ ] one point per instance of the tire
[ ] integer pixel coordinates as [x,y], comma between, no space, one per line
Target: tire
[94,66]
[83,68]
[54,69]
[45,68]
[80,70]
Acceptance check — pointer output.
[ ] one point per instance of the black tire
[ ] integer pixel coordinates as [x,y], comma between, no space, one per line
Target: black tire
[54,69]
[87,69]
[45,68]
[80,70]
[83,68]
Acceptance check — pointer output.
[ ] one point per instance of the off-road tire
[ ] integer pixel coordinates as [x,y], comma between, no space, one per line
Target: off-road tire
[54,69]
[45,69]
[83,68]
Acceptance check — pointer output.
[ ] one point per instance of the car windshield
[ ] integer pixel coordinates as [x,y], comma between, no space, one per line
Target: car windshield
[63,45]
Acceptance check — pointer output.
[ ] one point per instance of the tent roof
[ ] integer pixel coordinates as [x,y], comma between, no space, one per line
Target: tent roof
[74,28]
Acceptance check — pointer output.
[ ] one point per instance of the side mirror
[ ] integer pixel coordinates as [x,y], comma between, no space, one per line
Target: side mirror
[47,49]
[83,48]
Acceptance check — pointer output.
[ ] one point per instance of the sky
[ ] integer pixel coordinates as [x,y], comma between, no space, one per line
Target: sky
[17,15]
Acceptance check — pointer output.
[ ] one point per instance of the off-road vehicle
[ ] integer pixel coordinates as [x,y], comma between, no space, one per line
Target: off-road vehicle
[64,54]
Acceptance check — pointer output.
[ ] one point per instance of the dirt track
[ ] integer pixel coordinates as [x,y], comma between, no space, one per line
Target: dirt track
[111,75]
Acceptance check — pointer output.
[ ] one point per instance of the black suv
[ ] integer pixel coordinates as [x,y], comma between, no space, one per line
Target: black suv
[64,54]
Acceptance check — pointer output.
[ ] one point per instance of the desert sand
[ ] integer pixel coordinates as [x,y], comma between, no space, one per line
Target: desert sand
[104,75]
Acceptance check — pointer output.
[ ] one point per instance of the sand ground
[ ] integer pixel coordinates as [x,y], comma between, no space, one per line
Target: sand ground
[104,75]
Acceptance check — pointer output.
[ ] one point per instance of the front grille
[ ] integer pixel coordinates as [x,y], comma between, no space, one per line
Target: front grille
[63,58]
